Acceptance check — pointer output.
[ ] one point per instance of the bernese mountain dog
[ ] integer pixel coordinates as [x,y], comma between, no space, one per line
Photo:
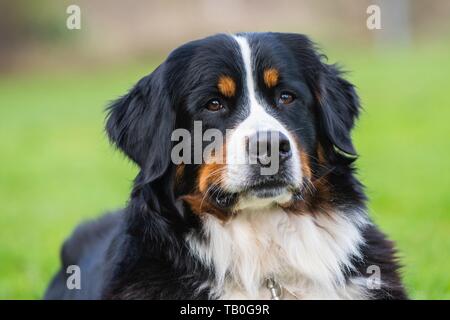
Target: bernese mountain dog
[221,228]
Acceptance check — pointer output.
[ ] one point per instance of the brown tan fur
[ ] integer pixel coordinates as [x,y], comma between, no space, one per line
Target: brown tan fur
[227,86]
[179,171]
[200,205]
[271,77]
[210,174]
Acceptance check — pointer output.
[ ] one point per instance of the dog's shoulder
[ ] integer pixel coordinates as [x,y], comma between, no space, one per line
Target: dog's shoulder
[86,249]
[88,234]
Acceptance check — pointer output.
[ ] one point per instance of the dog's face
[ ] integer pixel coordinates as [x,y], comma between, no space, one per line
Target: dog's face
[277,113]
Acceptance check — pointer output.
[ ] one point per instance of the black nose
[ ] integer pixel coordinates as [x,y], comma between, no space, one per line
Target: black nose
[264,146]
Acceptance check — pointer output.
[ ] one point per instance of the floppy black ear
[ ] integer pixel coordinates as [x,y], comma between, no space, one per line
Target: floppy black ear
[338,106]
[140,124]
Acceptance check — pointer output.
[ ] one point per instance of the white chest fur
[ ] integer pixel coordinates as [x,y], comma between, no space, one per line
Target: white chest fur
[306,254]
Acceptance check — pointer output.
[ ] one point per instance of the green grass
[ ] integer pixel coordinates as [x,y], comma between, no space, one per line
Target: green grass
[57,168]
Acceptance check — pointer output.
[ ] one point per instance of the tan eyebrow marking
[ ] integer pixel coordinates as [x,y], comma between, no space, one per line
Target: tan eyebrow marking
[271,77]
[226,86]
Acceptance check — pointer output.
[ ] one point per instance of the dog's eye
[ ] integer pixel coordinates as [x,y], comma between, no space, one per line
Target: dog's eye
[214,105]
[286,98]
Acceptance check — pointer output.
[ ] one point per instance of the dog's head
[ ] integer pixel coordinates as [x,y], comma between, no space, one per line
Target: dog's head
[235,122]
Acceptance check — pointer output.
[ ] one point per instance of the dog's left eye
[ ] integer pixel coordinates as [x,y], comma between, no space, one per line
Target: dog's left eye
[214,105]
[286,98]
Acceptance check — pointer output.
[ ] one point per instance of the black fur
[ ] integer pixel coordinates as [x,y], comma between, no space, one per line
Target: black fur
[140,252]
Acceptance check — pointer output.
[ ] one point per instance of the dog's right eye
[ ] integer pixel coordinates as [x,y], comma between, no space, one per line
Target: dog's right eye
[214,105]
[286,98]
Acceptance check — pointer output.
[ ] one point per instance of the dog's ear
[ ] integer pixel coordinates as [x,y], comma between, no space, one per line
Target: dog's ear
[140,124]
[338,106]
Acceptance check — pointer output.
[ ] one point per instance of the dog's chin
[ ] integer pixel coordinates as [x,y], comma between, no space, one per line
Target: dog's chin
[265,192]
[256,196]
[261,198]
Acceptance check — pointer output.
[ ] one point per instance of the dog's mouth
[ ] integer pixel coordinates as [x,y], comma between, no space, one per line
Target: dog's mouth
[276,189]
[267,189]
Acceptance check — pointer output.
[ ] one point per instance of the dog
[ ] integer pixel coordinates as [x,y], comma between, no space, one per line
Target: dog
[223,229]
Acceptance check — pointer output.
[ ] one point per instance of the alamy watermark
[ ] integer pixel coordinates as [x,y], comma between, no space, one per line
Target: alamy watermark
[374,280]
[198,147]
[74,279]
[373,21]
[73,21]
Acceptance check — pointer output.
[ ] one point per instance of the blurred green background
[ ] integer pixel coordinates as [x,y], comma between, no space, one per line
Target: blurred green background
[57,167]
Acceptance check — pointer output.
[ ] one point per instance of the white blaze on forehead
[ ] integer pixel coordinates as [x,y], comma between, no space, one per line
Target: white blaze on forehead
[246,57]
[258,119]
